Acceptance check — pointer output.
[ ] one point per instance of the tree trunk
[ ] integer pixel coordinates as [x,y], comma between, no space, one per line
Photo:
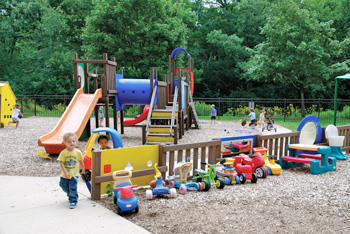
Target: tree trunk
[302,102]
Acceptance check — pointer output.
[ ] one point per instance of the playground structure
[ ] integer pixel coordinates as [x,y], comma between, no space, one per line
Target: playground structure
[170,102]
[7,103]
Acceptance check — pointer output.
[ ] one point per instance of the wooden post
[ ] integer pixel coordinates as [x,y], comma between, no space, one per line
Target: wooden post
[95,186]
[107,111]
[86,74]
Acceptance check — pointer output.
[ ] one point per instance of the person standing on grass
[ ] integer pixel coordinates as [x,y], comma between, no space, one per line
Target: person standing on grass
[16,114]
[213,114]
[70,159]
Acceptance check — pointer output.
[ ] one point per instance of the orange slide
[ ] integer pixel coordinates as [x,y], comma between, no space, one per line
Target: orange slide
[74,119]
[143,116]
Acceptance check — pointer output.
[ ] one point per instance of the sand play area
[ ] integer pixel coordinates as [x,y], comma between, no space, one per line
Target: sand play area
[293,202]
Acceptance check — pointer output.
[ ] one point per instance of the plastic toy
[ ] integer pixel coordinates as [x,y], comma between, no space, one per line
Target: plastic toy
[7,103]
[124,196]
[245,172]
[257,163]
[335,142]
[272,167]
[160,189]
[303,152]
[226,171]
[43,154]
[209,175]
[179,179]
[87,155]
[270,124]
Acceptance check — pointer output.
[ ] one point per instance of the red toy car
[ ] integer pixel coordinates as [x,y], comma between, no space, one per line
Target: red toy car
[245,172]
[257,163]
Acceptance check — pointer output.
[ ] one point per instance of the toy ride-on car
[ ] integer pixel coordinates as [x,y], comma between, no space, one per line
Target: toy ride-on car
[87,155]
[159,188]
[179,179]
[257,163]
[226,171]
[245,172]
[210,176]
[272,167]
[124,196]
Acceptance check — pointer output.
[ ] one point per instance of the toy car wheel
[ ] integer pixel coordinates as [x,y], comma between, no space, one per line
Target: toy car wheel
[172,184]
[119,211]
[206,186]
[237,179]
[149,194]
[115,200]
[255,178]
[266,171]
[197,178]
[153,184]
[173,193]
[220,183]
[270,171]
[136,209]
[200,185]
[242,178]
[260,172]
[227,180]
[182,189]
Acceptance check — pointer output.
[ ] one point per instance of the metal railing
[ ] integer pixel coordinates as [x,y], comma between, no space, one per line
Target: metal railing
[228,108]
[281,109]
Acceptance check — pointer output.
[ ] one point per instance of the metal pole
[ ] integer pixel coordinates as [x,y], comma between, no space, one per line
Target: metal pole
[335,102]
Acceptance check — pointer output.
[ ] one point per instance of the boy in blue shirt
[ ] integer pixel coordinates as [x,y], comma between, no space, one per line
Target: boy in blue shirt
[213,114]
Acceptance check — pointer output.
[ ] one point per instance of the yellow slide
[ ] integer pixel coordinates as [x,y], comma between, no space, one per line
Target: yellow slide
[74,119]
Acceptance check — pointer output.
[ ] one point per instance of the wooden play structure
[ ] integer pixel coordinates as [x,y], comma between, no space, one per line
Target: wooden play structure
[171,107]
[170,102]
[7,103]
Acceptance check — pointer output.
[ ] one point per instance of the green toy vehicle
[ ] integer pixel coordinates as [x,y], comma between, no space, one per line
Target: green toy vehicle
[210,176]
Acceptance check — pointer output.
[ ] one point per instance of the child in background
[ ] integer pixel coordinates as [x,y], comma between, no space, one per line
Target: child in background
[103,141]
[252,117]
[15,115]
[101,115]
[213,113]
[70,159]
[262,119]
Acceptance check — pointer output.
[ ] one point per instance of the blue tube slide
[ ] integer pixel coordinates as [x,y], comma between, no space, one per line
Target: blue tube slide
[133,91]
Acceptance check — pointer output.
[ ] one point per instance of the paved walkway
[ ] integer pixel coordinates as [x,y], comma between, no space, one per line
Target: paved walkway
[38,205]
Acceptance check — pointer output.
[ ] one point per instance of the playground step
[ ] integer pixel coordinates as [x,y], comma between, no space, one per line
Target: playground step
[159,143]
[160,118]
[160,134]
[163,113]
[160,129]
[152,138]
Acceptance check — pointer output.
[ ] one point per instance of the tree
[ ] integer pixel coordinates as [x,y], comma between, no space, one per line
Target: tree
[222,32]
[139,34]
[299,50]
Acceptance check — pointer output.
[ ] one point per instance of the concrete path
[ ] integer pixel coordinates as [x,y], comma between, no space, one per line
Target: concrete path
[38,205]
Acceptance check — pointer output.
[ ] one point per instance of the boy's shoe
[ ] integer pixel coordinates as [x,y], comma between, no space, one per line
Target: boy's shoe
[72,205]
